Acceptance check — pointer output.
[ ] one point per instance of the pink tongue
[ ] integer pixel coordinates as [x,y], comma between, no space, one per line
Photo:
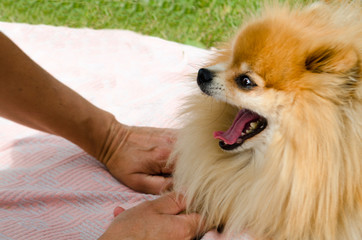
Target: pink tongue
[234,132]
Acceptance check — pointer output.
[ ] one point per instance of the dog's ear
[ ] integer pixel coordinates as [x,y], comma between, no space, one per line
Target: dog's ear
[331,59]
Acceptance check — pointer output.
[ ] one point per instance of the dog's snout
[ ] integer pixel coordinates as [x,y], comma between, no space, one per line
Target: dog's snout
[204,76]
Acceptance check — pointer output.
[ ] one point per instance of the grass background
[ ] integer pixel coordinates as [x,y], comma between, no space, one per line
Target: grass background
[201,23]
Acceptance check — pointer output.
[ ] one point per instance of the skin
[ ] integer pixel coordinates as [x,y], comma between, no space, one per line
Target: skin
[136,156]
[165,211]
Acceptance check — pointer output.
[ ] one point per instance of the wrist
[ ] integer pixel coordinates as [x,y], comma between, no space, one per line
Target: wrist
[91,130]
[111,138]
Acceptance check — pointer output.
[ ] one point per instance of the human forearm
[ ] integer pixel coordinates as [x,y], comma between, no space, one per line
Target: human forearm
[31,96]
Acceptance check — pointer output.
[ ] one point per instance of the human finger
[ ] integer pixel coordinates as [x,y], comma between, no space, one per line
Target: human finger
[168,186]
[170,203]
[193,224]
[153,184]
[157,163]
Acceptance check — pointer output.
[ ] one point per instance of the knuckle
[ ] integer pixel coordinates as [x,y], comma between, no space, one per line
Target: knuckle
[148,204]
[174,199]
[162,153]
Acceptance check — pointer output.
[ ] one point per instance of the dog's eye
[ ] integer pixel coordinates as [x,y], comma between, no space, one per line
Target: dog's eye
[245,82]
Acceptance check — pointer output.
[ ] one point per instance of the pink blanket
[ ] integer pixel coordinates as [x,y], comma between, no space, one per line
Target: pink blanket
[50,188]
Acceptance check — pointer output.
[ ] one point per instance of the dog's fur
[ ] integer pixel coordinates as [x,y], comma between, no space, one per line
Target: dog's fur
[300,178]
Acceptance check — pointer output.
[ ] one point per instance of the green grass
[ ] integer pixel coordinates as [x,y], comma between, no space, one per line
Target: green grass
[201,23]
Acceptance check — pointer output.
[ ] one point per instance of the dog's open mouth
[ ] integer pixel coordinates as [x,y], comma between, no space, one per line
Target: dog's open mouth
[246,125]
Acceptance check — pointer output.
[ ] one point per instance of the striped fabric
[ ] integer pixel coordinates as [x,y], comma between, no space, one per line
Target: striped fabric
[50,188]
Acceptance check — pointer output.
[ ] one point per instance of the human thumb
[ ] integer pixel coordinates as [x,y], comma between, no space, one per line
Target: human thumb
[117,211]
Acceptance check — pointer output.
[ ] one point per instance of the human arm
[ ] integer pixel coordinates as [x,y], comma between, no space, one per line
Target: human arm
[31,96]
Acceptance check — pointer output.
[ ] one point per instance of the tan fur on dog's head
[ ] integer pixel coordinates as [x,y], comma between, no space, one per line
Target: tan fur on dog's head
[301,176]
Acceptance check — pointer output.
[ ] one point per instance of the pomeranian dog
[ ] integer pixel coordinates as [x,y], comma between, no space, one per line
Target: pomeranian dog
[273,145]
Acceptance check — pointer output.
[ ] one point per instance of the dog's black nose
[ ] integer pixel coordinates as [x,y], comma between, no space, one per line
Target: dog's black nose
[204,76]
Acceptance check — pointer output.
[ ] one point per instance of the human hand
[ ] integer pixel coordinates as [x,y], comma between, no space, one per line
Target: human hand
[158,219]
[31,96]
[137,156]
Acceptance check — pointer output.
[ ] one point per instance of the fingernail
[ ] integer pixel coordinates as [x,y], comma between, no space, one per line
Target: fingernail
[117,211]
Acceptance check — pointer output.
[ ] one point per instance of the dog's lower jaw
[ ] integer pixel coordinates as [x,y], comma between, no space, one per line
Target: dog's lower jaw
[257,145]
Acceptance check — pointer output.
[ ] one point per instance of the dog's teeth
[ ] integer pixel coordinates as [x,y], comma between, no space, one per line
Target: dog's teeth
[239,141]
[248,131]
[253,124]
[243,134]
